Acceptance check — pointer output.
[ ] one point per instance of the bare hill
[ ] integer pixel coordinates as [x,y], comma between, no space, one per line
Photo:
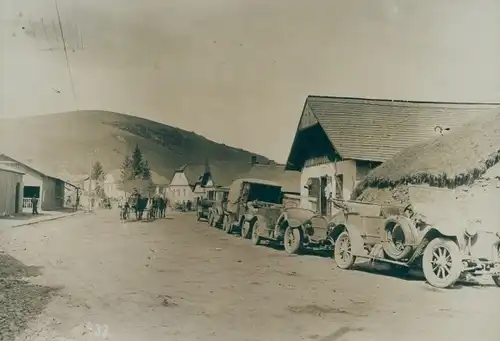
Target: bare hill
[60,144]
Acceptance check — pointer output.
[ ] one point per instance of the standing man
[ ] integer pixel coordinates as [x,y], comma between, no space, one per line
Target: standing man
[165,205]
[161,207]
[34,205]
[92,203]
[77,202]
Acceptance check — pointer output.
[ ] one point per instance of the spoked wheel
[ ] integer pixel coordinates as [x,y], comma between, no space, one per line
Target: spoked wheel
[342,253]
[227,226]
[293,240]
[442,263]
[255,233]
[496,279]
[245,230]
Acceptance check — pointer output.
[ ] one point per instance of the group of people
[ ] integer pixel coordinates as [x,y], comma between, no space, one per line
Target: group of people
[154,207]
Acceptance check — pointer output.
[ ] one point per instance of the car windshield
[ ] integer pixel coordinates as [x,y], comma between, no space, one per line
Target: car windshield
[220,196]
[265,193]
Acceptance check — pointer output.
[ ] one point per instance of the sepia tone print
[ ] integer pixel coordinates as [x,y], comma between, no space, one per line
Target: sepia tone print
[249,170]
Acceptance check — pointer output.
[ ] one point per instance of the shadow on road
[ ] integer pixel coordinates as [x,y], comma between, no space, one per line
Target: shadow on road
[21,301]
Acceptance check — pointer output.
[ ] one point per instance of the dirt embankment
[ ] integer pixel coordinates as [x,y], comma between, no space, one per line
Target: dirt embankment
[20,301]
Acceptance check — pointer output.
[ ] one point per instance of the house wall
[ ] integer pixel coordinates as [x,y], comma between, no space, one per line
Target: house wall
[30,178]
[179,189]
[346,168]
[112,191]
[50,199]
[8,183]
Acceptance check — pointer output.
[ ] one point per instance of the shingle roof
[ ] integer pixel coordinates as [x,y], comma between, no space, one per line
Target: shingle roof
[289,180]
[8,160]
[377,129]
[222,173]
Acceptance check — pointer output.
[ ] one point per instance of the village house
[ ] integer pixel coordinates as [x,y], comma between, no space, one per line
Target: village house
[193,181]
[50,190]
[11,192]
[339,140]
[183,183]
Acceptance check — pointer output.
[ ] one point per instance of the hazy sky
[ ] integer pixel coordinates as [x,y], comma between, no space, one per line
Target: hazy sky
[239,71]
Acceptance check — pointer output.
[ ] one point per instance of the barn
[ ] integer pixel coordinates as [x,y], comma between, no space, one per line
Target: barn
[11,189]
[49,189]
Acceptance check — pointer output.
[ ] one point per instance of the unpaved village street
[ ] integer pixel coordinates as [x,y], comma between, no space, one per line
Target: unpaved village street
[179,279]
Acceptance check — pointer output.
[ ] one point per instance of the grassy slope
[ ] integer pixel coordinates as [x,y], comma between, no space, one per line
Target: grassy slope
[60,143]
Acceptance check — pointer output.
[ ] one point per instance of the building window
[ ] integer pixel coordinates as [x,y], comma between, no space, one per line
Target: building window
[313,187]
[184,192]
[339,186]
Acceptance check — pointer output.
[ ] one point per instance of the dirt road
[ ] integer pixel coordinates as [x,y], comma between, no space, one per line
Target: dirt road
[177,279]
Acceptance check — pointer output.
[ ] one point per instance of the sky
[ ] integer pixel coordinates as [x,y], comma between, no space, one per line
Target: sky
[239,71]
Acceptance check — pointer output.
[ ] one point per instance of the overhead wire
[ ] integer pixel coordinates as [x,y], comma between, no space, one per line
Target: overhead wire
[70,73]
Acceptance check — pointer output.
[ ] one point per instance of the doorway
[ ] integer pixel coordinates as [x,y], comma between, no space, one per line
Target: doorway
[28,193]
[18,197]
[323,201]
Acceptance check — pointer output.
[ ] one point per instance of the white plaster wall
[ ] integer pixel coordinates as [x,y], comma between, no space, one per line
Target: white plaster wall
[30,180]
[179,189]
[346,168]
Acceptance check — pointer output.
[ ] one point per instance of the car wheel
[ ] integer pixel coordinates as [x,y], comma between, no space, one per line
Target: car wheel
[397,237]
[292,240]
[227,227]
[255,233]
[245,229]
[496,279]
[342,253]
[442,263]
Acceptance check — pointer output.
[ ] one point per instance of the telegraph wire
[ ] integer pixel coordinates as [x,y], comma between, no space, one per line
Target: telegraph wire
[66,56]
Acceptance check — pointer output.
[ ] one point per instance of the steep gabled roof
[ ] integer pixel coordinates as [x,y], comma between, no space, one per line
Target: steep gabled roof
[222,173]
[377,129]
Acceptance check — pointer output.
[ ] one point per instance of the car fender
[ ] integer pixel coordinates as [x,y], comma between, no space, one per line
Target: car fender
[296,217]
[357,242]
[445,230]
[264,230]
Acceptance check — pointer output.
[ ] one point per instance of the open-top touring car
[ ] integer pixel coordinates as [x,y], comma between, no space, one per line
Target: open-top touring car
[422,234]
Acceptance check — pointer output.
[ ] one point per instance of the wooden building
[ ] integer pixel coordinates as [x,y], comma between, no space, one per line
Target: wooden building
[11,189]
[339,140]
[50,190]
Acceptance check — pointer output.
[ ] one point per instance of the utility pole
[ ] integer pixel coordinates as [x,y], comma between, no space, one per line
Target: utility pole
[90,178]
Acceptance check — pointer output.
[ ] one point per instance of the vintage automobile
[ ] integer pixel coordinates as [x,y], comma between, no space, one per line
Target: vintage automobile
[288,228]
[421,235]
[203,206]
[249,201]
[216,211]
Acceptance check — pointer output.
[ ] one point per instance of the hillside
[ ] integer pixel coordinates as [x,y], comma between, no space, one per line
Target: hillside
[60,144]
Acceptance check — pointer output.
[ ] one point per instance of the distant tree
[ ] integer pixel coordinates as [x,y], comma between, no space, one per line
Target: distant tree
[136,174]
[137,163]
[146,171]
[98,173]
[99,191]
[126,169]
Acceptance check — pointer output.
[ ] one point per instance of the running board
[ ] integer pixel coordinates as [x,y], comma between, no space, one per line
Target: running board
[383,260]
